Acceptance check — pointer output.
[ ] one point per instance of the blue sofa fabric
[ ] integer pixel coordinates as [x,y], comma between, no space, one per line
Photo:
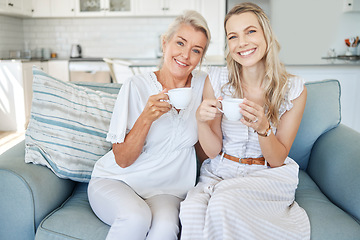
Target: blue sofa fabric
[327,152]
[28,193]
[322,113]
[335,167]
[60,223]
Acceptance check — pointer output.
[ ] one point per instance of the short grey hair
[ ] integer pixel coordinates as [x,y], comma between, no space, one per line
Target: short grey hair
[192,18]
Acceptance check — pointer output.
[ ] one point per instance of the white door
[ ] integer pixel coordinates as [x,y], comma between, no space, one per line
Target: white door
[41,8]
[214,13]
[150,7]
[62,8]
[176,7]
[14,6]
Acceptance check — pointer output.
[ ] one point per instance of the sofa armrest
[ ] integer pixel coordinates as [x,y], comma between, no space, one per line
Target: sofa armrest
[335,167]
[28,193]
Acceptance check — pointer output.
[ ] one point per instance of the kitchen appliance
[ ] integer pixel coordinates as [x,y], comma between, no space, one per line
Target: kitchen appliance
[89,71]
[75,51]
[14,54]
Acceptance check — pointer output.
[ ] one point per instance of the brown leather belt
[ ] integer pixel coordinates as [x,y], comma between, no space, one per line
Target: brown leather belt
[250,161]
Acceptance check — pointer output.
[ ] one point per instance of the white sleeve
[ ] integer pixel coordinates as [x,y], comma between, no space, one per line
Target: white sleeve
[215,76]
[296,87]
[119,119]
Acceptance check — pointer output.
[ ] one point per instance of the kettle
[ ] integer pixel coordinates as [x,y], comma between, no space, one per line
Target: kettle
[75,51]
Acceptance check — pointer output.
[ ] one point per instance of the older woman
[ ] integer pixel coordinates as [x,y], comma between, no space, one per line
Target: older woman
[138,186]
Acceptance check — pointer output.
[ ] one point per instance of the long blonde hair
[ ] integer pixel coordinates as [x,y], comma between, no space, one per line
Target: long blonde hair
[276,77]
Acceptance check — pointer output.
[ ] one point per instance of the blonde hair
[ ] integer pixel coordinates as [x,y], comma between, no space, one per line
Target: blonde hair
[191,18]
[276,77]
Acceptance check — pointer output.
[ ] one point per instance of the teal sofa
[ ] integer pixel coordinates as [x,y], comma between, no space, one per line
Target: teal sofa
[35,203]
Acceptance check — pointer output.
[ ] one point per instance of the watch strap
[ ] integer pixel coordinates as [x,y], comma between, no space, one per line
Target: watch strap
[266,133]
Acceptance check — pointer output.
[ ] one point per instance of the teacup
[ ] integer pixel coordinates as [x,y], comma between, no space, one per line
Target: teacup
[231,108]
[180,97]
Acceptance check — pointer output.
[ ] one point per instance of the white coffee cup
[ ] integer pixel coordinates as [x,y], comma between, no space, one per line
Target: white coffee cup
[231,108]
[180,97]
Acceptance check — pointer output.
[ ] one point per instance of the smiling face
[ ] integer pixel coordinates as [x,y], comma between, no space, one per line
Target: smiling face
[183,51]
[246,41]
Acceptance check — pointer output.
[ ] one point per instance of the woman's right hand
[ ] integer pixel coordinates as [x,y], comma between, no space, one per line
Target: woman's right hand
[208,110]
[156,106]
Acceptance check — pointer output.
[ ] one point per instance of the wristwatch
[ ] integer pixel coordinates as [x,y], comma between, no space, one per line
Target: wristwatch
[266,133]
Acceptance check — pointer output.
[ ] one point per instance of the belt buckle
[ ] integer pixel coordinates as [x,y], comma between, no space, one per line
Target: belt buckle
[248,161]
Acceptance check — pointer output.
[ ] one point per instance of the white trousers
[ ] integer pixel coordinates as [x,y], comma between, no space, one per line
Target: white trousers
[130,216]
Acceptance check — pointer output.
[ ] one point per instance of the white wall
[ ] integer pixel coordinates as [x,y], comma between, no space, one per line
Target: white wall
[99,37]
[306,29]
[11,35]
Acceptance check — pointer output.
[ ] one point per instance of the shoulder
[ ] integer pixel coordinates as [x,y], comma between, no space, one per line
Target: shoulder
[138,85]
[296,86]
[199,74]
[140,80]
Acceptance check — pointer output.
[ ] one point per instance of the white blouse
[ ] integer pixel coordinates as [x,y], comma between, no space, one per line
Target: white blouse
[238,139]
[167,164]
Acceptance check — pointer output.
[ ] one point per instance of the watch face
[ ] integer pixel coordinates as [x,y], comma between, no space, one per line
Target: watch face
[268,132]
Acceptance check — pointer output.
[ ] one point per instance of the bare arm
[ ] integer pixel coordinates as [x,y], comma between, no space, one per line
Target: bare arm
[275,148]
[209,119]
[128,151]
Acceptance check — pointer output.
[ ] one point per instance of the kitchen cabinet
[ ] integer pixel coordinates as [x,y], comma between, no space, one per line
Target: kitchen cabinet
[53,8]
[104,7]
[351,5]
[59,69]
[16,93]
[62,8]
[89,71]
[214,13]
[12,107]
[56,68]
[41,8]
[27,7]
[163,7]
[15,7]
[27,80]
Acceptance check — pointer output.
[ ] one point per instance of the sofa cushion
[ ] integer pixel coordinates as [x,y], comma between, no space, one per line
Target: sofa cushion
[327,221]
[73,220]
[112,88]
[322,113]
[335,166]
[28,193]
[68,126]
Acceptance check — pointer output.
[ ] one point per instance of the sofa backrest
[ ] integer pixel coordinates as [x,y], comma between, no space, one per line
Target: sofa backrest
[112,88]
[322,113]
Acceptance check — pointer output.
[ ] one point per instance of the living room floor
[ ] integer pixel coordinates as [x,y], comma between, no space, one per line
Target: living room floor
[9,139]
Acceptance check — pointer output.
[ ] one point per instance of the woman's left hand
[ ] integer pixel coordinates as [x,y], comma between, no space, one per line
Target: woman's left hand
[253,116]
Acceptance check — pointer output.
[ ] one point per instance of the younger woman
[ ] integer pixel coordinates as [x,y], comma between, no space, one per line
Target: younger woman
[247,186]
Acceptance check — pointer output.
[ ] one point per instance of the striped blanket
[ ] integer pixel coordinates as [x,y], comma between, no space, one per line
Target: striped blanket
[238,201]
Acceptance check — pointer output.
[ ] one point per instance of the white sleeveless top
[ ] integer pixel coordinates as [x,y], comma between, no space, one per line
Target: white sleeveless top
[238,139]
[167,164]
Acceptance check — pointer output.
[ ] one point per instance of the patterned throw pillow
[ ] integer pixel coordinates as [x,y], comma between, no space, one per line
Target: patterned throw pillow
[68,126]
